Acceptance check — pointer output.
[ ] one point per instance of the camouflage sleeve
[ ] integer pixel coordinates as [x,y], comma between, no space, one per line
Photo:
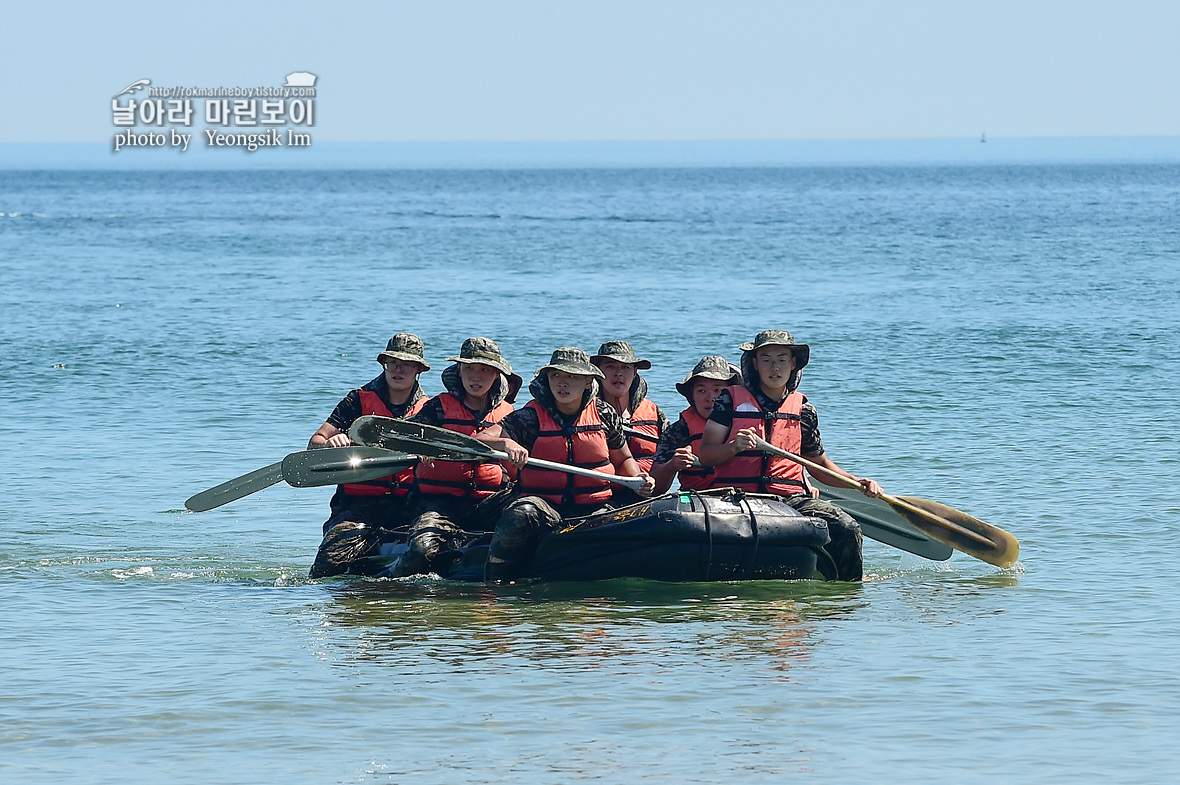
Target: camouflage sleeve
[723,409]
[615,439]
[522,427]
[812,446]
[346,412]
[673,438]
[664,425]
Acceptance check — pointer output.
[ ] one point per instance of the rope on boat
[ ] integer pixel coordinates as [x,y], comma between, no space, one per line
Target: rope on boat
[748,560]
[708,567]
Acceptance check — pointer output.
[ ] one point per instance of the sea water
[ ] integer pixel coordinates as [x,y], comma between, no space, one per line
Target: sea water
[1003,339]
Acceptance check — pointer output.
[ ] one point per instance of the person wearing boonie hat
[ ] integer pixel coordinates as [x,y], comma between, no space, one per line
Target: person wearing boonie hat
[360,510]
[566,422]
[674,456]
[624,389]
[767,405]
[480,388]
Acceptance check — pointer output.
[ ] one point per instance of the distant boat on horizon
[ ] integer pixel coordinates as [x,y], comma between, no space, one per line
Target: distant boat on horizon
[983,138]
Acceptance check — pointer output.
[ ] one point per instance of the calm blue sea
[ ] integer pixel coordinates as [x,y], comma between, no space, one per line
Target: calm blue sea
[1005,339]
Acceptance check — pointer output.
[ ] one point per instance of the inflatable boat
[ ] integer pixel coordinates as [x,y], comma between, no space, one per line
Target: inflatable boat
[722,535]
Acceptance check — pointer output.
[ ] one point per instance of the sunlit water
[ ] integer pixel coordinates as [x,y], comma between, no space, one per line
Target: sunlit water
[1004,340]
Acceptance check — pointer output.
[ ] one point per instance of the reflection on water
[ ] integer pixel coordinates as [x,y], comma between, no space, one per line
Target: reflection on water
[582,625]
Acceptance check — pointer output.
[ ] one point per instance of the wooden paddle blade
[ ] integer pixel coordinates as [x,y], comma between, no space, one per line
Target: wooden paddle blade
[1002,549]
[960,531]
[235,489]
[339,465]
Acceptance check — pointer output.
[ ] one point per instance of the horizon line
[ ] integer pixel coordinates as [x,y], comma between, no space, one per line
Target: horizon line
[620,153]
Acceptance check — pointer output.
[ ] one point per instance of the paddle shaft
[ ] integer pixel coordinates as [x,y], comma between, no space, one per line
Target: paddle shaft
[634,483]
[848,482]
[637,434]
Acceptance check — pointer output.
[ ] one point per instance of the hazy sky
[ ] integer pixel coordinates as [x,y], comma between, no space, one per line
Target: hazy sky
[635,70]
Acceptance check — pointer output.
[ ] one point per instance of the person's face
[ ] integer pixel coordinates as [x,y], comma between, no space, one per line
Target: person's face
[775,365]
[619,377]
[704,394]
[568,388]
[477,378]
[401,375]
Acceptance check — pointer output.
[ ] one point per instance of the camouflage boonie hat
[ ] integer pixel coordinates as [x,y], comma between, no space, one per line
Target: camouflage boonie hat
[619,351]
[801,351]
[485,351]
[712,367]
[406,347]
[573,360]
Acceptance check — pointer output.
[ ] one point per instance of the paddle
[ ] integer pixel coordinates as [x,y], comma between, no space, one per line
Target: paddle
[432,442]
[306,469]
[881,522]
[339,465]
[236,488]
[946,524]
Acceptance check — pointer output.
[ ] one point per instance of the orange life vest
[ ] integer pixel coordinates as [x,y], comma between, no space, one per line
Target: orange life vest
[581,444]
[700,478]
[395,485]
[645,419]
[469,479]
[754,470]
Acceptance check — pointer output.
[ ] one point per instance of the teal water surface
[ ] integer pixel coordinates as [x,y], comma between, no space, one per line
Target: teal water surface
[1002,339]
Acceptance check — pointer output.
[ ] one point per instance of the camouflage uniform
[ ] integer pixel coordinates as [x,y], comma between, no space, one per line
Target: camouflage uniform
[844,552]
[354,529]
[674,437]
[443,524]
[678,435]
[622,351]
[526,519]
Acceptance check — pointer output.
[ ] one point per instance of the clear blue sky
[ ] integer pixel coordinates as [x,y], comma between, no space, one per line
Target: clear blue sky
[602,70]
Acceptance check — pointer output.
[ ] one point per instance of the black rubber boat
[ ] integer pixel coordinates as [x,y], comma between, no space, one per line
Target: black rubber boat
[722,535]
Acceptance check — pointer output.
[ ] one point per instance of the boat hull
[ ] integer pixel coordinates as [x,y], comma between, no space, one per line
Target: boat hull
[686,536]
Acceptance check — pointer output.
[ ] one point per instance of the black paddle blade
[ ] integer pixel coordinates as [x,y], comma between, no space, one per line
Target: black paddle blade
[880,522]
[234,489]
[417,438]
[339,465]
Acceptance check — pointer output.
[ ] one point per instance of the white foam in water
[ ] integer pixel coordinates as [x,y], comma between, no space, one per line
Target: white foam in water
[122,574]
